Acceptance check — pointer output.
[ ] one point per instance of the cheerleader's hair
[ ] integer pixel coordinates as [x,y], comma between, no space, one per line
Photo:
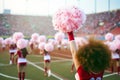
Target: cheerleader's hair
[24,52]
[94,56]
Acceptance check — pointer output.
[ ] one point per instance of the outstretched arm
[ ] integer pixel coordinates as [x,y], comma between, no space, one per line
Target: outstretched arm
[73,49]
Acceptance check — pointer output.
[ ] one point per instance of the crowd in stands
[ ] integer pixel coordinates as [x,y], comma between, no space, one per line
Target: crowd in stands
[99,23]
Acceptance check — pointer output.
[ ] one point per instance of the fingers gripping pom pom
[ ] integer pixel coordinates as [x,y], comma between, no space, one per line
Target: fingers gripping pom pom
[68,19]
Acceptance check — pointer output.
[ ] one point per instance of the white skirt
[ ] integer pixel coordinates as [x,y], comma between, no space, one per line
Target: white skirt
[115,56]
[22,60]
[12,51]
[47,57]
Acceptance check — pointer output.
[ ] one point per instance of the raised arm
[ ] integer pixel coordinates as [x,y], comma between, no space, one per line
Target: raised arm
[73,49]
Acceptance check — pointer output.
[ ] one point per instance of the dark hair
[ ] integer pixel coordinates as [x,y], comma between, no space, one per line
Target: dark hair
[24,52]
[94,56]
[45,52]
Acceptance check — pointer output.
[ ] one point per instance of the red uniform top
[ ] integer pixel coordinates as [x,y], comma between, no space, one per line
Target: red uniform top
[83,75]
[20,55]
[12,49]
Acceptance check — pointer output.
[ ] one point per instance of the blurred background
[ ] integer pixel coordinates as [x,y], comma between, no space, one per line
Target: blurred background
[29,16]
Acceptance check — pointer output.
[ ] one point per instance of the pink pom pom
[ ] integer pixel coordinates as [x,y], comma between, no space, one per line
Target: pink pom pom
[8,41]
[41,38]
[41,45]
[59,36]
[109,36]
[35,36]
[115,45]
[49,47]
[80,41]
[22,43]
[68,19]
[52,41]
[17,36]
[117,37]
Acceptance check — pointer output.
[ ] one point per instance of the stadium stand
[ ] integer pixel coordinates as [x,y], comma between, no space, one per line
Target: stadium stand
[99,24]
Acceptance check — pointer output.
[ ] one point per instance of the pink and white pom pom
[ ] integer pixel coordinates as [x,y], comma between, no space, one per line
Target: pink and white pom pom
[115,45]
[109,37]
[59,36]
[41,45]
[9,41]
[35,36]
[17,36]
[41,38]
[22,43]
[80,41]
[49,47]
[117,37]
[52,41]
[68,19]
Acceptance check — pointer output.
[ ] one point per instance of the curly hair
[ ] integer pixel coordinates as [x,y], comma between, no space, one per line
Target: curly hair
[94,56]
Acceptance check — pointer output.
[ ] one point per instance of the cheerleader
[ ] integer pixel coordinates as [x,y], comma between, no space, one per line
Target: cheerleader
[91,58]
[12,50]
[22,62]
[87,64]
[118,61]
[45,49]
[115,48]
[47,59]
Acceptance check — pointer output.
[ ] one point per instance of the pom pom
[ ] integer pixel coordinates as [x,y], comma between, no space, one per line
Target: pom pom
[59,36]
[68,19]
[8,41]
[22,43]
[17,36]
[35,36]
[109,36]
[117,37]
[49,47]
[41,45]
[41,38]
[52,41]
[115,45]
[80,41]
